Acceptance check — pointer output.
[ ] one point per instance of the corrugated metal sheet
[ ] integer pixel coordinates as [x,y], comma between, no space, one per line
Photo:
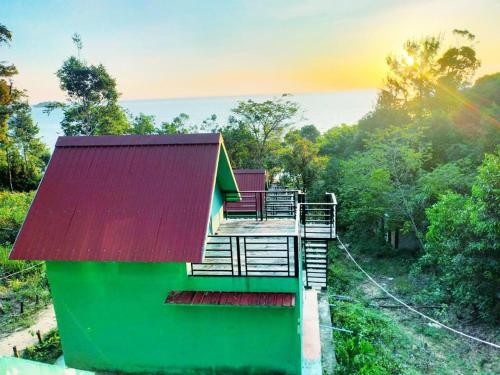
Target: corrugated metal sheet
[231,298]
[129,198]
[248,180]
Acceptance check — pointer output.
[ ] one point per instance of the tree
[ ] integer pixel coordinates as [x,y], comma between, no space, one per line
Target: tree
[364,191]
[143,124]
[265,122]
[22,155]
[240,145]
[177,126]
[402,152]
[424,76]
[300,157]
[462,244]
[9,95]
[24,133]
[310,132]
[93,99]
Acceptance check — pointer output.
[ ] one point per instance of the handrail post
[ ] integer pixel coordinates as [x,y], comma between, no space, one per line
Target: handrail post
[238,254]
[261,214]
[331,221]
[296,255]
[256,208]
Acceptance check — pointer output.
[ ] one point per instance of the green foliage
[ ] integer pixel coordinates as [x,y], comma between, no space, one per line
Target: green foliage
[9,266]
[411,165]
[300,158]
[262,125]
[462,244]
[22,155]
[373,346]
[48,351]
[452,176]
[143,124]
[177,126]
[22,286]
[93,99]
[377,344]
[364,190]
[13,209]
[425,76]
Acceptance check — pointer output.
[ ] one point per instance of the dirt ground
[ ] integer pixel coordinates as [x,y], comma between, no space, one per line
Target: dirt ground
[45,321]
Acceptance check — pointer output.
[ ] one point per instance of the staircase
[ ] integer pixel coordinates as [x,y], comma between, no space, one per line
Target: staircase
[316,263]
[317,230]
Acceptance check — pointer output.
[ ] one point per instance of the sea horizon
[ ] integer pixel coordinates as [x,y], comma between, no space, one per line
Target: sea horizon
[322,109]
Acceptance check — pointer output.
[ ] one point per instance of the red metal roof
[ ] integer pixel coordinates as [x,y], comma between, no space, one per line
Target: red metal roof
[231,298]
[123,198]
[250,179]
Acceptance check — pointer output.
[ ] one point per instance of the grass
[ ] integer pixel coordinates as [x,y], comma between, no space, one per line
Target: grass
[395,341]
[48,351]
[23,287]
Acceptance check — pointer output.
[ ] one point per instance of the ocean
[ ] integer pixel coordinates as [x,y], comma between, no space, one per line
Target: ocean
[321,109]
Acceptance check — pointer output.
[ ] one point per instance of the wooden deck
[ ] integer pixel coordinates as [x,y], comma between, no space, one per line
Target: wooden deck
[247,227]
[278,227]
[246,247]
[249,247]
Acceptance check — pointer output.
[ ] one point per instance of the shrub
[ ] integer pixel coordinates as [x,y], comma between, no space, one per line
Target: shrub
[47,351]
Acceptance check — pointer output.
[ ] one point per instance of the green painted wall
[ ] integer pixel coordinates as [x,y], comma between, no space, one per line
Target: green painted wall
[112,316]
[216,215]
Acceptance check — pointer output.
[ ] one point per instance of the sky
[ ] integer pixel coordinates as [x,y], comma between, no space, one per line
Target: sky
[170,49]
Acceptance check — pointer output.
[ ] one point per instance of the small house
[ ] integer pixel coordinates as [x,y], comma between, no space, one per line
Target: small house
[145,273]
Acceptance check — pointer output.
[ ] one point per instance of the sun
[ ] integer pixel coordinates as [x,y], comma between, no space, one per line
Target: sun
[408,59]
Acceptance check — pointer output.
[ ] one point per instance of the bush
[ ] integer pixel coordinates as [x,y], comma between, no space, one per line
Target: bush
[376,344]
[13,209]
[47,351]
[461,250]
[373,345]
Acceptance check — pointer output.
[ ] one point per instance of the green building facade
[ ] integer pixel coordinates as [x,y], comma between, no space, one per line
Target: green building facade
[113,316]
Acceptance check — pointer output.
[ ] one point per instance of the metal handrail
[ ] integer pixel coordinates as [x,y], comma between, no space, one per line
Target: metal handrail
[235,258]
[265,203]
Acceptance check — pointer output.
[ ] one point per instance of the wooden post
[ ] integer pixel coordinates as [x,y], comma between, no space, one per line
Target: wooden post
[39,335]
[16,354]
[37,299]
[22,307]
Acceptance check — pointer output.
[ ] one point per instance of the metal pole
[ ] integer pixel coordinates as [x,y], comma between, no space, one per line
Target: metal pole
[296,255]
[256,208]
[238,254]
[261,215]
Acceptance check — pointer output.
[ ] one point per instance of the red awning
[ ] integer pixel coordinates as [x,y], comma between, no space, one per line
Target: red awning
[231,298]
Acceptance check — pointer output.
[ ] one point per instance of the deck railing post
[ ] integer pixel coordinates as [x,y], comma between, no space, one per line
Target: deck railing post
[238,254]
[256,208]
[261,214]
[331,221]
[296,255]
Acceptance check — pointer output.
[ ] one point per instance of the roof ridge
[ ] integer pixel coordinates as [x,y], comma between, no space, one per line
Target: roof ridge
[138,140]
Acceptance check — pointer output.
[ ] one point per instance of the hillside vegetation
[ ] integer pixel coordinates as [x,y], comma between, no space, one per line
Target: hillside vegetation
[423,165]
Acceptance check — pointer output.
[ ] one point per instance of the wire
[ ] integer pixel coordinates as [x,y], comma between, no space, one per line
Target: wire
[336,329]
[411,308]
[22,271]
